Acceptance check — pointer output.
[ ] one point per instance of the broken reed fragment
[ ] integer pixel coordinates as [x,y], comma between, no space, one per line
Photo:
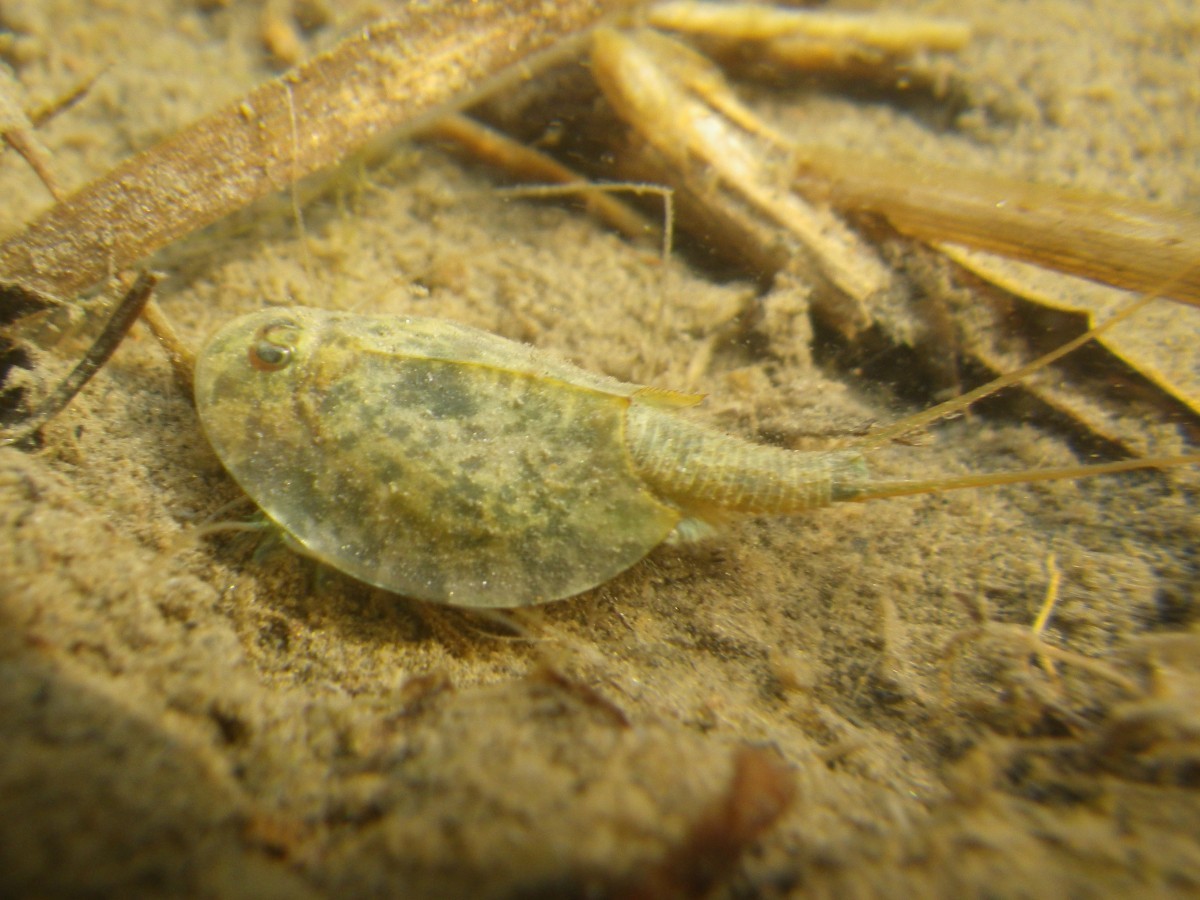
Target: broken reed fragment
[892,33]
[431,58]
[1126,243]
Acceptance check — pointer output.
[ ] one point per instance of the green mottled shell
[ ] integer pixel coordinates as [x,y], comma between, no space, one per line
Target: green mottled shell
[429,458]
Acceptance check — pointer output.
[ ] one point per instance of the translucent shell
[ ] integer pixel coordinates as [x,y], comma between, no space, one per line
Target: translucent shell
[429,458]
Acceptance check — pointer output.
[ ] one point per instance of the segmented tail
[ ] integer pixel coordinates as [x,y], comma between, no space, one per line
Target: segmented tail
[706,472]
[709,475]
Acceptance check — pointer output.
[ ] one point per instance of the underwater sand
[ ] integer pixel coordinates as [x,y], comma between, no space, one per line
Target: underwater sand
[221,718]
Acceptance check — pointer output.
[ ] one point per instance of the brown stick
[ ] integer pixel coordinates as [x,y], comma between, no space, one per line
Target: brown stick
[436,56]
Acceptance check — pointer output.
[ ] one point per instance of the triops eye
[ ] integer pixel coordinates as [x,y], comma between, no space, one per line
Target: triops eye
[272,348]
[269,357]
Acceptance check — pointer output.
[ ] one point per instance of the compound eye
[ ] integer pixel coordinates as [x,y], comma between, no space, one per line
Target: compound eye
[272,347]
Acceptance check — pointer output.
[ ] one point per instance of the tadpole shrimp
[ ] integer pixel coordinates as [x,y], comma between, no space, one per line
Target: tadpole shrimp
[448,464]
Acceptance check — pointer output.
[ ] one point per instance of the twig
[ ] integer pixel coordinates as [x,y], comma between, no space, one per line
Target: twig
[118,325]
[17,130]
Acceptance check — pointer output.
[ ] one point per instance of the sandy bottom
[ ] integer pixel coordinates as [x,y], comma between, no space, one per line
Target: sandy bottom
[221,717]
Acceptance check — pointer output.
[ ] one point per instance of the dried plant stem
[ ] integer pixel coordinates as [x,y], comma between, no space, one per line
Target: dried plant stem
[1133,245]
[436,56]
